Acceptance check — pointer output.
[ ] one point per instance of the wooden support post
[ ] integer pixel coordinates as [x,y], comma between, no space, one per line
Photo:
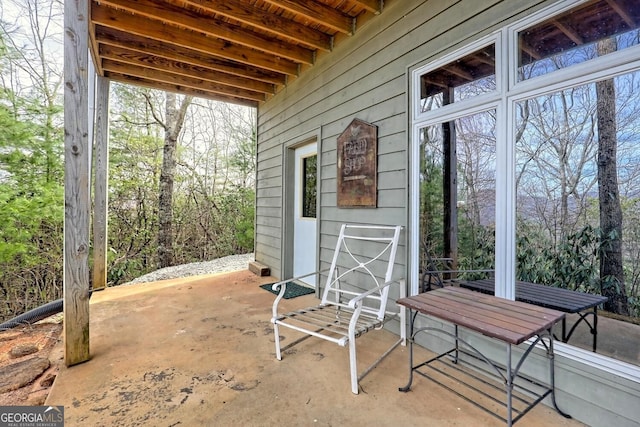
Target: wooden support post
[101,185]
[76,183]
[450,183]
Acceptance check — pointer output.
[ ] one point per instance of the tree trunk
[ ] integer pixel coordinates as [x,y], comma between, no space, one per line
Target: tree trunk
[611,271]
[174,120]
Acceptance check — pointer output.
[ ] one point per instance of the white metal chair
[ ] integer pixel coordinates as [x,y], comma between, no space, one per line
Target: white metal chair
[359,305]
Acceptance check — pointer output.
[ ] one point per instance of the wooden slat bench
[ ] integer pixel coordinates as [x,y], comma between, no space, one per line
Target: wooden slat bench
[510,322]
[564,300]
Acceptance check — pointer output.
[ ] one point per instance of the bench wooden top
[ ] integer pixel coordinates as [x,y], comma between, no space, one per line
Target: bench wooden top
[510,321]
[546,296]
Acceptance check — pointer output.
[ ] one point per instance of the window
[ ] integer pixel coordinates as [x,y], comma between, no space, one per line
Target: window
[457,194]
[309,188]
[463,78]
[571,213]
[576,36]
[543,178]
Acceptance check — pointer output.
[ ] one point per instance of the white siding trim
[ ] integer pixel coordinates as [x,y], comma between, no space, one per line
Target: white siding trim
[603,363]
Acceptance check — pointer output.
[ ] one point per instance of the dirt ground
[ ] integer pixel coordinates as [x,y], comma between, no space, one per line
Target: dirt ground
[29,361]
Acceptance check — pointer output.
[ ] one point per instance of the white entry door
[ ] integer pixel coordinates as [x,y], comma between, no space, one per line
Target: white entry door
[305,200]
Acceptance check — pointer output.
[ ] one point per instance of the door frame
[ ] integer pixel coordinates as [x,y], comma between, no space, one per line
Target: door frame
[288,199]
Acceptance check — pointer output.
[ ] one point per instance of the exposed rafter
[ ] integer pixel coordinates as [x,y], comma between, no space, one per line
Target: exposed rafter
[275,25]
[569,32]
[318,13]
[239,51]
[622,12]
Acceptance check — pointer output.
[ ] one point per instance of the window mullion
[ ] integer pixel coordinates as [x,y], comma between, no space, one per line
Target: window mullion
[505,255]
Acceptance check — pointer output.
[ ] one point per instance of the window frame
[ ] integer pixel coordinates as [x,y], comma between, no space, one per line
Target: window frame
[303,186]
[481,103]
[447,110]
[510,91]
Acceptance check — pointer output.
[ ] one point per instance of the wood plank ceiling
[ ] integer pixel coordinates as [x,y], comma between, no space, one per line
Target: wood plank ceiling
[238,51]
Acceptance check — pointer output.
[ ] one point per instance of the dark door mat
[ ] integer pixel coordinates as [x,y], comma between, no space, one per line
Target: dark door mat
[293,290]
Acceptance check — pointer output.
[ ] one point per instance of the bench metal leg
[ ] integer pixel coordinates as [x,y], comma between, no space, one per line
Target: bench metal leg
[583,317]
[509,387]
[552,380]
[457,352]
[509,374]
[594,330]
[407,387]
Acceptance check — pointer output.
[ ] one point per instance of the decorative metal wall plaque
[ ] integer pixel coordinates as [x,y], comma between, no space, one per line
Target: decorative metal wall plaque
[357,165]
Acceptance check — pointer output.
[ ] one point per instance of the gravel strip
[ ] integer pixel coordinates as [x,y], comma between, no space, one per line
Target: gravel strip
[219,265]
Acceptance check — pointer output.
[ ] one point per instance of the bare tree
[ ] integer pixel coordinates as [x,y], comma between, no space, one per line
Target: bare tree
[173,123]
[554,161]
[211,212]
[611,268]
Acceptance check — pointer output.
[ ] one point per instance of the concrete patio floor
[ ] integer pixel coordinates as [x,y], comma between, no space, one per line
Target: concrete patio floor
[199,352]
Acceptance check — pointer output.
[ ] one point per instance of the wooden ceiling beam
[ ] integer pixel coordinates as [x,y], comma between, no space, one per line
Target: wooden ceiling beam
[112,37]
[248,14]
[186,19]
[529,50]
[93,44]
[156,30]
[621,11]
[569,32]
[318,13]
[179,80]
[240,51]
[137,81]
[373,6]
[431,82]
[459,71]
[484,59]
[187,70]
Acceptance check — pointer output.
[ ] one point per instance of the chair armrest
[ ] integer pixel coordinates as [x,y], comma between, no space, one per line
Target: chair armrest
[281,286]
[355,300]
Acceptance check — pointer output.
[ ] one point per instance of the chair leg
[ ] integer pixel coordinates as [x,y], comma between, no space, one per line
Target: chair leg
[354,367]
[277,341]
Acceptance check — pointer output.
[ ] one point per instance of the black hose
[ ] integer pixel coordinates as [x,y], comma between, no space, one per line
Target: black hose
[32,316]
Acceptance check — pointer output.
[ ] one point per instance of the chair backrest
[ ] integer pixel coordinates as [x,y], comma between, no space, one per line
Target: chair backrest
[364,259]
